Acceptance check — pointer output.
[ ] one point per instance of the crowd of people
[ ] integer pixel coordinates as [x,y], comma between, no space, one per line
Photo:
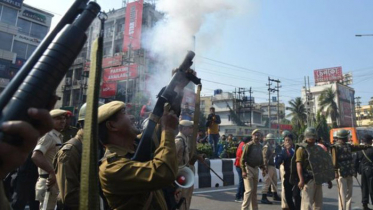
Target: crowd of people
[304,168]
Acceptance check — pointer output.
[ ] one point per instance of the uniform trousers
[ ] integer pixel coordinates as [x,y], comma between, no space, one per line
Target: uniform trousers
[42,195]
[270,179]
[345,192]
[366,184]
[311,196]
[251,184]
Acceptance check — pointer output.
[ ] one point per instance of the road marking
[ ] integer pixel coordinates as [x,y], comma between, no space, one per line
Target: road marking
[222,190]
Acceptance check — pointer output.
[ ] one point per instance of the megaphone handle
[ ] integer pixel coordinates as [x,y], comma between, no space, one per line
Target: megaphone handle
[181,201]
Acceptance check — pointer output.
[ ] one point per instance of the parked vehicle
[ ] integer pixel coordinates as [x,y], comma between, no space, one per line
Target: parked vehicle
[356,133]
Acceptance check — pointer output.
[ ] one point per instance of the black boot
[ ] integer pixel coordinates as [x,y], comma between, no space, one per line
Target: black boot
[276,197]
[265,200]
[365,207]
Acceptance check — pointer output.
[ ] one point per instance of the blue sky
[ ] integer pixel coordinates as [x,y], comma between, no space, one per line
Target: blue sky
[285,40]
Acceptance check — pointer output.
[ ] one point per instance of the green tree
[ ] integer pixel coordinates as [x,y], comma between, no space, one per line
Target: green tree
[235,118]
[327,103]
[298,115]
[322,128]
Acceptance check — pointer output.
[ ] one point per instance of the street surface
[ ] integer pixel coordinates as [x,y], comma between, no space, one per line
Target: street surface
[222,198]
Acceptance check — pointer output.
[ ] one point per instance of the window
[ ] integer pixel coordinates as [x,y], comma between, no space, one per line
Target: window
[24,26]
[38,31]
[30,50]
[6,41]
[9,15]
[20,48]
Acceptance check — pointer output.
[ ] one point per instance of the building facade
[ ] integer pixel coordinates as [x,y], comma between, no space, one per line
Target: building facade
[22,28]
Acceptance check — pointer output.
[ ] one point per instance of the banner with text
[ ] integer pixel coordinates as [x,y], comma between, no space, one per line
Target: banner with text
[132,30]
[328,74]
[112,61]
[120,73]
[108,89]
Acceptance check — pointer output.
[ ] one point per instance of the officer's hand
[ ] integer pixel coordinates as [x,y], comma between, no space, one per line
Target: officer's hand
[51,180]
[244,174]
[330,185]
[301,184]
[12,156]
[169,120]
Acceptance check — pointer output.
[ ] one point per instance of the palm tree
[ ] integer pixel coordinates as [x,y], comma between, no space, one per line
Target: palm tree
[327,104]
[298,115]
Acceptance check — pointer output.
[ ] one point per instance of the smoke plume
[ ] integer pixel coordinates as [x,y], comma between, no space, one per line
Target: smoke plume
[169,41]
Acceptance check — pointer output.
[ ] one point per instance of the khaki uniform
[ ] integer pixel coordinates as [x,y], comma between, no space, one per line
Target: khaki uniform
[69,133]
[129,184]
[344,166]
[183,152]
[271,176]
[49,145]
[311,192]
[67,166]
[250,162]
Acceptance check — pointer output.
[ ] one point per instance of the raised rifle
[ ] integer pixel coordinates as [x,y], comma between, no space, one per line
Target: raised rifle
[171,94]
[36,82]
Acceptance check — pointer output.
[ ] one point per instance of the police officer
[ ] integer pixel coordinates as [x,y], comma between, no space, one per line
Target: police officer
[183,148]
[251,161]
[129,184]
[271,178]
[314,167]
[44,152]
[69,131]
[67,164]
[364,166]
[344,167]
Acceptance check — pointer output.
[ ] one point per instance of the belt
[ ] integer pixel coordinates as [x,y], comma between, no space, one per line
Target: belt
[44,176]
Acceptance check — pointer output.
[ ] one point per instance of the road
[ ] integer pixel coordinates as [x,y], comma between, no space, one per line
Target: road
[222,198]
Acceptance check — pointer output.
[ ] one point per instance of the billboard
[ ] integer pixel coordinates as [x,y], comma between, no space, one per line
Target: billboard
[112,61]
[108,89]
[328,74]
[132,29]
[120,73]
[346,106]
[13,3]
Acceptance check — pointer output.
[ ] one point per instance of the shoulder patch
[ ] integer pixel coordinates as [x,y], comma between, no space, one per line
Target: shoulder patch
[67,147]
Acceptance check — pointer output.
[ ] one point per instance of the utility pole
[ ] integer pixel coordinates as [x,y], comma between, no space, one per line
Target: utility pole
[278,102]
[269,100]
[308,99]
[128,71]
[358,109]
[250,106]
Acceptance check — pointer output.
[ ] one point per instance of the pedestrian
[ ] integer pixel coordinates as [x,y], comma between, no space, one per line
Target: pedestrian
[129,184]
[241,186]
[344,167]
[364,165]
[269,164]
[44,152]
[212,123]
[291,195]
[183,148]
[68,131]
[314,167]
[251,161]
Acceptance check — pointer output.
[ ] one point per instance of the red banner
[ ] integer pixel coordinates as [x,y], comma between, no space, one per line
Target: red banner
[132,30]
[120,73]
[282,127]
[328,74]
[108,89]
[112,61]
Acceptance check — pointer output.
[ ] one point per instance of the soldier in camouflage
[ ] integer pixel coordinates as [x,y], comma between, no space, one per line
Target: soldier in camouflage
[344,167]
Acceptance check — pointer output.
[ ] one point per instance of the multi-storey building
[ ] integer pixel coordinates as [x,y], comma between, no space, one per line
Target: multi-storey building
[126,64]
[22,27]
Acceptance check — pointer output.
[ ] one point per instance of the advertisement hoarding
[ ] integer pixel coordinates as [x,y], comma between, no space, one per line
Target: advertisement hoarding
[108,89]
[328,74]
[120,73]
[13,3]
[132,30]
[346,100]
[112,61]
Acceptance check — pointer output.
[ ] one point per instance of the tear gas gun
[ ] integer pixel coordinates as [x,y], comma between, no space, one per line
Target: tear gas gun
[172,94]
[36,82]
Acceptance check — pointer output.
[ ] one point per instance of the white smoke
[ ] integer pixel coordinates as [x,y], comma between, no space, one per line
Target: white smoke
[169,41]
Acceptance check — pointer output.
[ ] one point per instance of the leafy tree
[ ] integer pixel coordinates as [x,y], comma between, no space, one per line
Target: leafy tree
[327,103]
[235,118]
[298,115]
[322,127]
